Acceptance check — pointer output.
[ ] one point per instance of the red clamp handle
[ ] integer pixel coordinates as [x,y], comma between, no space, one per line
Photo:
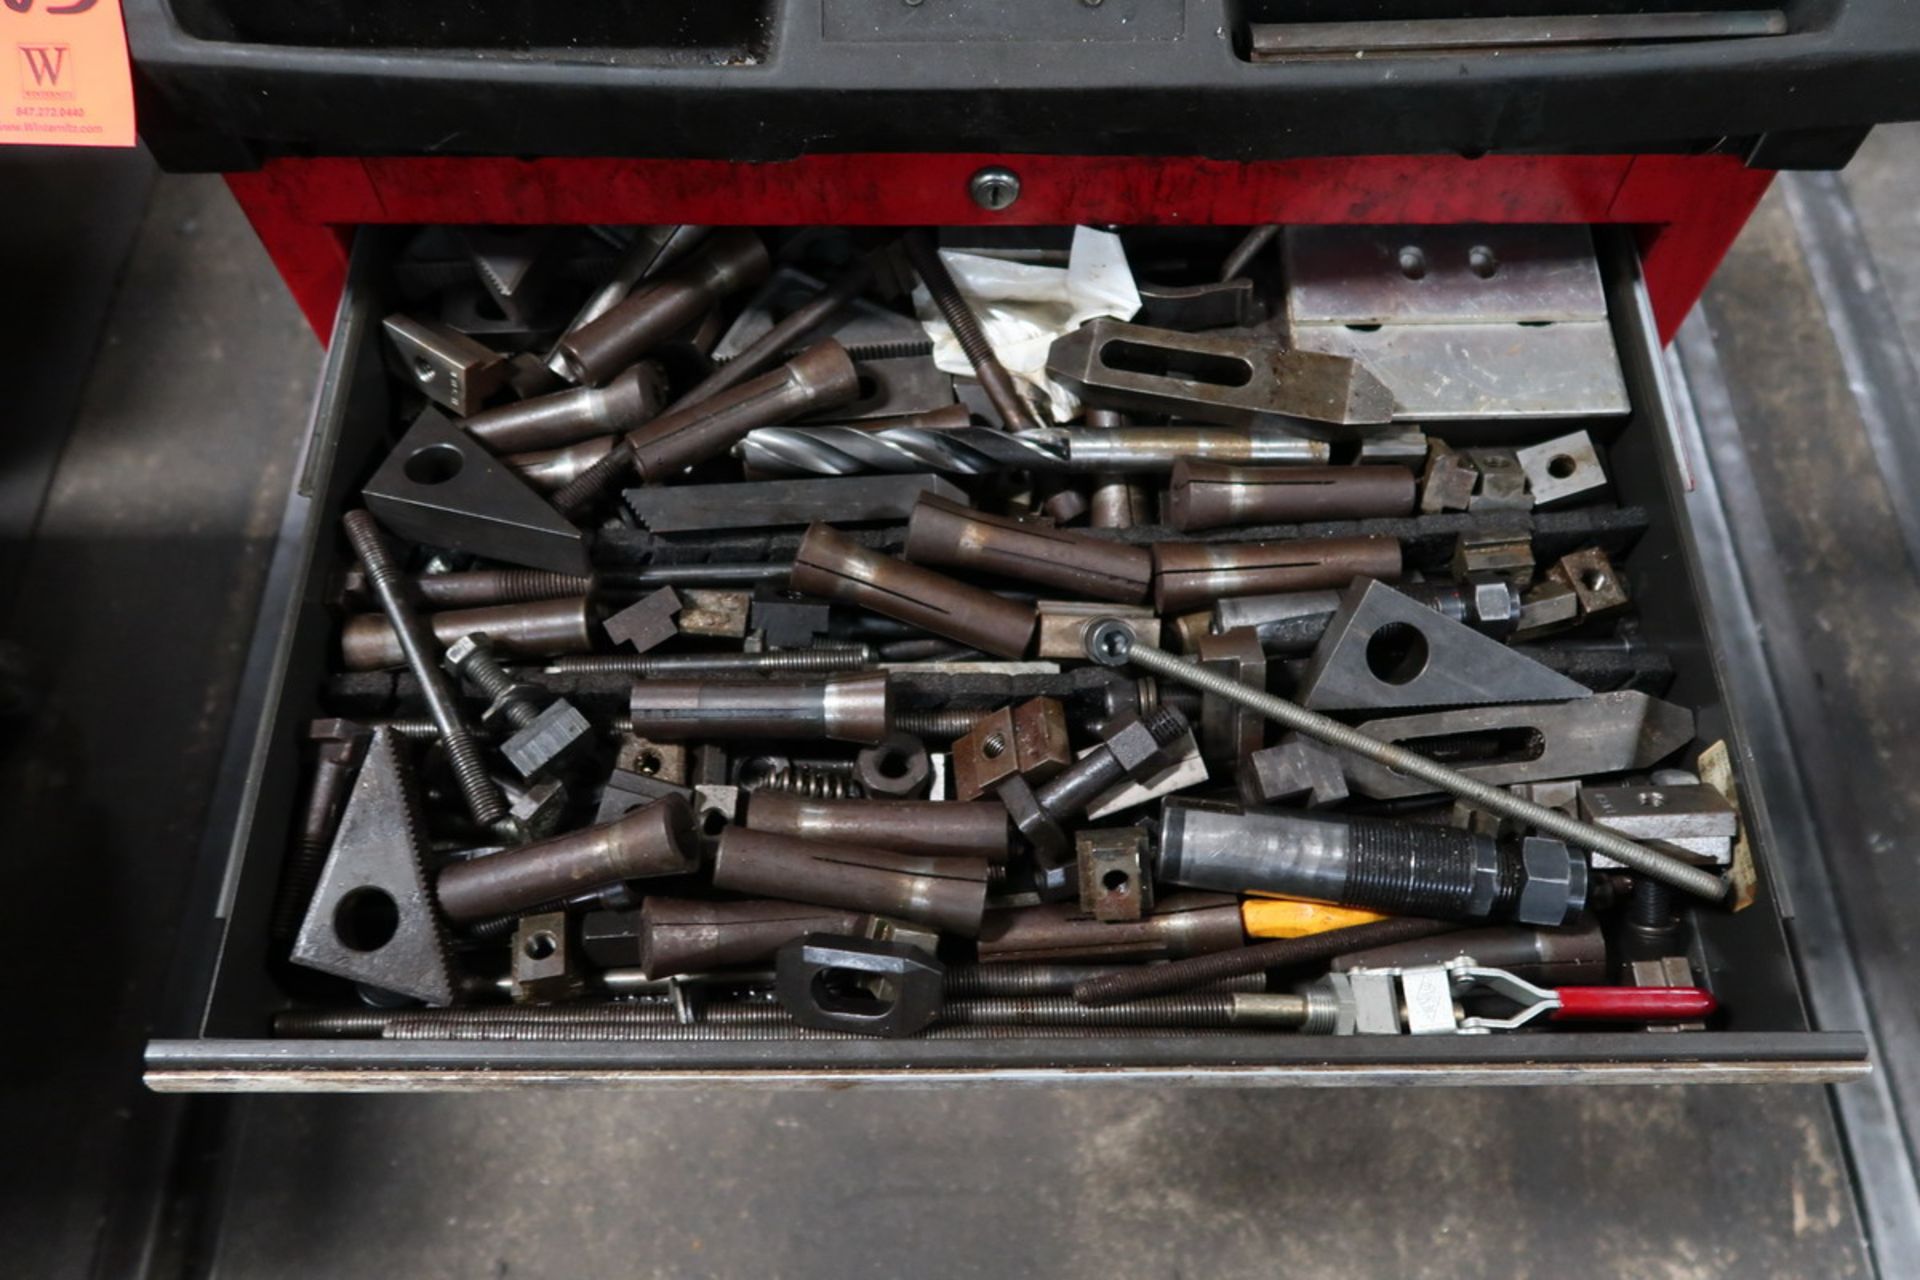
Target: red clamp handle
[1632,1004]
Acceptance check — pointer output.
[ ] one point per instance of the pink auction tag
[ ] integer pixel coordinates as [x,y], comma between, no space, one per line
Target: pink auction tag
[66,82]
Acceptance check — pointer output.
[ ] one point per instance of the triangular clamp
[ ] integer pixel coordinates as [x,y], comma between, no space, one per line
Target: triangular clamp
[373,919]
[441,488]
[1383,649]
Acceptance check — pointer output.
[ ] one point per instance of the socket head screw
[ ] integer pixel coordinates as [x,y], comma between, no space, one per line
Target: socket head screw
[1109,642]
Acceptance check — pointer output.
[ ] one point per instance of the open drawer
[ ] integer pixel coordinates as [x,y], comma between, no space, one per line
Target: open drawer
[1761,1034]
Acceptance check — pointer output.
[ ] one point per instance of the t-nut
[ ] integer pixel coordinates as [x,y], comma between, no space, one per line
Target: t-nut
[557,732]
[1555,888]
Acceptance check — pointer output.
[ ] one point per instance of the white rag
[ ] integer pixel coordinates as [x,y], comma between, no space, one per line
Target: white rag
[1022,308]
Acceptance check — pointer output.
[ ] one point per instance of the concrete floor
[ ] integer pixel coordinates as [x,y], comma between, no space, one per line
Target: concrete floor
[137,574]
[162,509]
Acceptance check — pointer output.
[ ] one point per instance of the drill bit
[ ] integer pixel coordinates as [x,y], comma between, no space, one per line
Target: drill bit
[973,451]
[847,451]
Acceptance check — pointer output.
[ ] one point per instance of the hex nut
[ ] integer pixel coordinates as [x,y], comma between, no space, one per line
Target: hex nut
[1050,844]
[539,808]
[1496,604]
[1555,886]
[1486,878]
[1133,746]
[897,767]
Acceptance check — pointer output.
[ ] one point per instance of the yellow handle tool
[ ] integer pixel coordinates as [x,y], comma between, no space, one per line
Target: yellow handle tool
[1292,918]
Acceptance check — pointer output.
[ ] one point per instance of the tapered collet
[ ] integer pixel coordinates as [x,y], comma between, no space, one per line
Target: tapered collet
[821,377]
[943,532]
[687,935]
[546,422]
[1192,575]
[835,567]
[948,893]
[729,262]
[1208,495]
[654,840]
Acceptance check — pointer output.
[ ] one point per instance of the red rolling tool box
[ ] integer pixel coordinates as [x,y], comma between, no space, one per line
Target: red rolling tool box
[1660,126]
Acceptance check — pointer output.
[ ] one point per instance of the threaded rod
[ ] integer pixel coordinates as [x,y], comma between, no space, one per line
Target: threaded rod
[483,798]
[1015,413]
[706,1033]
[972,981]
[580,493]
[937,724]
[1195,971]
[821,661]
[492,680]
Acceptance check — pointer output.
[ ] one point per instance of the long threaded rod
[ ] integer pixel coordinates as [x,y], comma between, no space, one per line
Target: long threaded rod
[1115,644]
[752,1020]
[1198,971]
[709,1033]
[1015,413]
[964,983]
[821,661]
[483,798]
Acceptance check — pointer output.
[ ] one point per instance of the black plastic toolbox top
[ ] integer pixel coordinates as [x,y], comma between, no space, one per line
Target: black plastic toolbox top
[224,83]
